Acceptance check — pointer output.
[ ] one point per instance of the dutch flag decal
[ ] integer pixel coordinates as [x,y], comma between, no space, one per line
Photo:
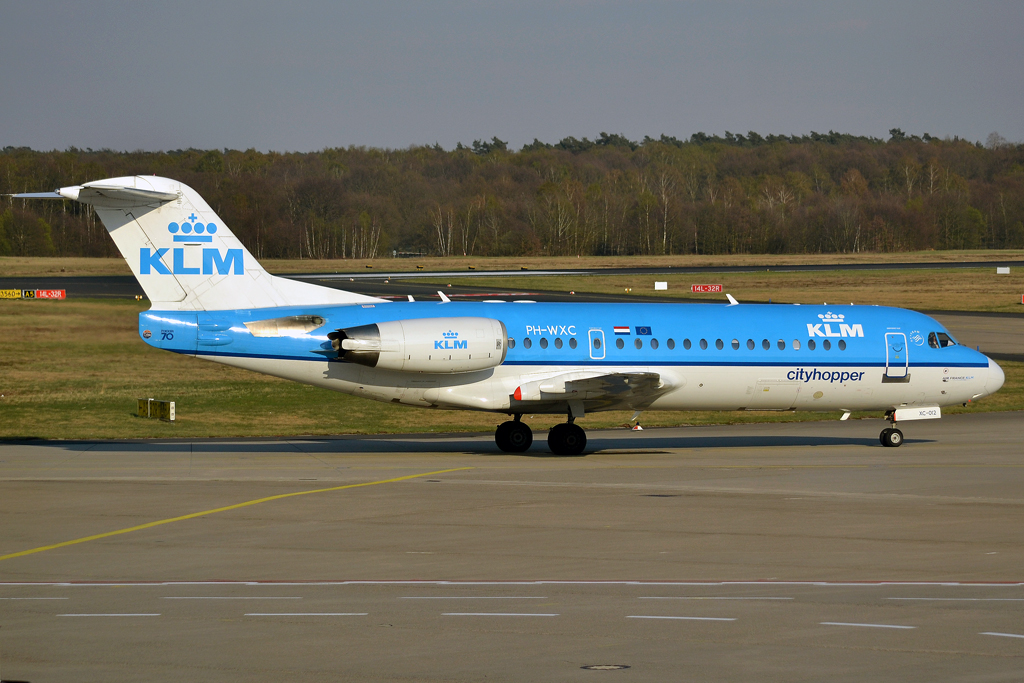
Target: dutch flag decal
[622,329]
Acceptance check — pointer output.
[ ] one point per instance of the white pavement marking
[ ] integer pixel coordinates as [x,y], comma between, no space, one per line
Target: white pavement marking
[844,623]
[963,599]
[34,598]
[306,614]
[644,616]
[677,597]
[1004,635]
[474,597]
[230,597]
[149,614]
[496,614]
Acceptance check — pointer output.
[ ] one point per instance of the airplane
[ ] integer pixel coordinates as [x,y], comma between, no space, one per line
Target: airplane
[211,299]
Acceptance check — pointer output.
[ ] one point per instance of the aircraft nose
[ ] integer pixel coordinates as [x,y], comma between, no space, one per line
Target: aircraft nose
[996,377]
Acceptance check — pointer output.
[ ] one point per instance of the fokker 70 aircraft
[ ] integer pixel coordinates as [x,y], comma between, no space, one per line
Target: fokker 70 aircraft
[211,299]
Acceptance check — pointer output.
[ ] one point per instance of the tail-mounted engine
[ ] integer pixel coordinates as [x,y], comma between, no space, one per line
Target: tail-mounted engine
[441,345]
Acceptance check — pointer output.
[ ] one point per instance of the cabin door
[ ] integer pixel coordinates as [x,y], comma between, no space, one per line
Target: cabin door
[896,361]
[596,344]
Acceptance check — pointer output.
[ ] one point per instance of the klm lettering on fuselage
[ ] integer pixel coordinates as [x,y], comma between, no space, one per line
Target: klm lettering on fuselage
[230,263]
[824,328]
[450,342]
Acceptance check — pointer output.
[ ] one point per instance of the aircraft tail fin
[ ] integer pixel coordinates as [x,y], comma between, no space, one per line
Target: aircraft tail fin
[183,254]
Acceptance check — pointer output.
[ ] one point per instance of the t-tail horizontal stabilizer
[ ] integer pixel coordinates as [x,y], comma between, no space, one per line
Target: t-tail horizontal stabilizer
[183,254]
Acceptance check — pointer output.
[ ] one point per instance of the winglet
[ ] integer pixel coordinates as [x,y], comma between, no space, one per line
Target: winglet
[410,297]
[444,299]
[732,299]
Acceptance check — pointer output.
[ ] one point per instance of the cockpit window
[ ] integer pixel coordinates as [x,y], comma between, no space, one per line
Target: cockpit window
[940,340]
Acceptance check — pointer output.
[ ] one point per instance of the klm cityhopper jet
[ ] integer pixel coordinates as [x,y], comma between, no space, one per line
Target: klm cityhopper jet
[211,299]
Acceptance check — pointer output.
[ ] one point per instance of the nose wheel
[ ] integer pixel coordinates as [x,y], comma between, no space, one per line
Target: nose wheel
[513,436]
[891,437]
[567,439]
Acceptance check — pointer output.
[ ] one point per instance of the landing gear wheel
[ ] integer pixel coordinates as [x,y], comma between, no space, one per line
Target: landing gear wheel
[567,439]
[513,437]
[893,438]
[883,437]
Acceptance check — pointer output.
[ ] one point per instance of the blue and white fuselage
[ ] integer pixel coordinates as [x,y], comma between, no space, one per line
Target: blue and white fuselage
[212,299]
[706,356]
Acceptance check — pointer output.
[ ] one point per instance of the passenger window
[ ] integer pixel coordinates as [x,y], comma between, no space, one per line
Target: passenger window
[765,344]
[619,343]
[933,341]
[654,343]
[703,343]
[810,344]
[945,340]
[719,344]
[527,343]
[735,344]
[782,345]
[796,344]
[558,342]
[638,343]
[750,344]
[511,343]
[686,344]
[672,344]
[597,342]
[543,342]
[826,345]
[572,342]
[842,344]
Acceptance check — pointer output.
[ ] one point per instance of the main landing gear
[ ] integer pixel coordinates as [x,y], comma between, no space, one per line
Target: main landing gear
[567,438]
[514,436]
[890,436]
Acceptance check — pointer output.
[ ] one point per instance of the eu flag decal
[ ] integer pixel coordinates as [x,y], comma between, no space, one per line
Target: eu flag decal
[643,330]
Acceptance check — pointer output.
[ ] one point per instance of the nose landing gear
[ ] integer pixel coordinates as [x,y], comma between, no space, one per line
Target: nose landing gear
[890,436]
[514,436]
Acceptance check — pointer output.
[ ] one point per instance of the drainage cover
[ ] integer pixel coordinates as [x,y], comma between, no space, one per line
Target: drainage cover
[605,667]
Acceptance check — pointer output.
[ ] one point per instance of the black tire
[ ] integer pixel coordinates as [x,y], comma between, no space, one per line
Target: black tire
[517,439]
[895,438]
[883,437]
[501,435]
[567,439]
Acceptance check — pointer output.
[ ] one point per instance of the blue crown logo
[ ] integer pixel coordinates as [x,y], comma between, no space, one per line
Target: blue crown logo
[192,231]
[450,335]
[831,317]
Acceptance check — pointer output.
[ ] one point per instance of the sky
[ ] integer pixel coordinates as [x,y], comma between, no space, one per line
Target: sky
[306,75]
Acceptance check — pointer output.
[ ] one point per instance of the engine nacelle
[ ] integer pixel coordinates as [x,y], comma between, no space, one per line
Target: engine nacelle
[439,345]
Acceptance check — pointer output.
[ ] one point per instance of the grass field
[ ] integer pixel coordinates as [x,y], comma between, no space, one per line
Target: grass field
[969,289]
[73,369]
[12,266]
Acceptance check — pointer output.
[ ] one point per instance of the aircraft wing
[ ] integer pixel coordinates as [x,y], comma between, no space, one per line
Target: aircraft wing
[629,389]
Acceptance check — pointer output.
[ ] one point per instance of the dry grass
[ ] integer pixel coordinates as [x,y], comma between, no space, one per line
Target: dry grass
[969,289]
[73,369]
[27,267]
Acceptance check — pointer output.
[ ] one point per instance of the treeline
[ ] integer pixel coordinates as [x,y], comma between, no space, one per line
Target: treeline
[706,195]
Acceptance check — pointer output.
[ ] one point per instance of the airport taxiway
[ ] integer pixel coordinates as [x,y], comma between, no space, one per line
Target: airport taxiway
[776,552]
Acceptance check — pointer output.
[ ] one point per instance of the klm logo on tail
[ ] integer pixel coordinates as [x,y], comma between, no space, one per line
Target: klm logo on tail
[187,230]
[151,261]
[230,263]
